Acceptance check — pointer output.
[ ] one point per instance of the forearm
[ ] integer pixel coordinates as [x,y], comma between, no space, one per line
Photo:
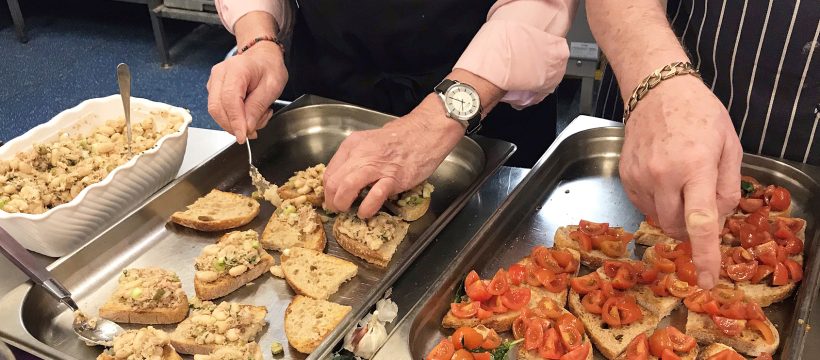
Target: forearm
[636,38]
[253,25]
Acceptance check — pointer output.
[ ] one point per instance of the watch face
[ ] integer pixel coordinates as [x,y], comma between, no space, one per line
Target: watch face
[461,101]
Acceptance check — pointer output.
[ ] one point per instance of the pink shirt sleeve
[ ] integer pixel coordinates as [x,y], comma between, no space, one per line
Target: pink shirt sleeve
[521,48]
[230,11]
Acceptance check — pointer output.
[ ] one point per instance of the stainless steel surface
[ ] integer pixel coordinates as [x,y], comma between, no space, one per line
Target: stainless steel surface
[578,178]
[300,136]
[102,333]
[124,82]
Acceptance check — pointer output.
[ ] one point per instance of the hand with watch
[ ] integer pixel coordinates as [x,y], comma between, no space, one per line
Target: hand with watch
[407,150]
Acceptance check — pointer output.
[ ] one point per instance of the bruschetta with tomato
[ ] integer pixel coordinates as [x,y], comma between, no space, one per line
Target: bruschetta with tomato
[766,273]
[724,314]
[596,242]
[551,334]
[655,291]
[470,343]
[718,351]
[758,228]
[663,343]
[755,196]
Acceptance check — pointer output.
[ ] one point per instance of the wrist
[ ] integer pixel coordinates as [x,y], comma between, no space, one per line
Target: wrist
[643,67]
[430,116]
[252,25]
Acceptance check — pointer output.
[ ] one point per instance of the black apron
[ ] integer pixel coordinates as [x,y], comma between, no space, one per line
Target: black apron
[388,55]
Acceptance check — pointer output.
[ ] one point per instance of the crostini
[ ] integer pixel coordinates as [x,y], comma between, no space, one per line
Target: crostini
[146,296]
[235,260]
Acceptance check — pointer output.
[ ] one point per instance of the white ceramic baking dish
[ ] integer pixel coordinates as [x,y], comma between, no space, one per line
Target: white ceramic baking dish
[66,227]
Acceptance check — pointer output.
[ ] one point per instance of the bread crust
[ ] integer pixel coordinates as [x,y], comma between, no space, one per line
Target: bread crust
[188,221]
[749,342]
[409,213]
[594,258]
[227,284]
[313,198]
[168,353]
[309,346]
[381,257]
[123,314]
[317,240]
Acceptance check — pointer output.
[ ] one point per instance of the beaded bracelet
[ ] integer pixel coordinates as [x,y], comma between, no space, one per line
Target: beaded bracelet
[255,41]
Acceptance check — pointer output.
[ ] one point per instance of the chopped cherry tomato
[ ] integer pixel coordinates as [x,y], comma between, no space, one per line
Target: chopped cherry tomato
[597,240]
[795,270]
[472,277]
[685,269]
[532,280]
[464,310]
[782,254]
[443,351]
[647,276]
[625,237]
[741,255]
[680,289]
[711,307]
[519,327]
[663,265]
[742,272]
[750,205]
[761,273]
[608,290]
[638,348]
[564,258]
[584,240]
[482,314]
[669,355]
[516,298]
[793,245]
[782,230]
[517,274]
[534,335]
[766,253]
[543,258]
[581,352]
[794,224]
[463,354]
[494,305]
[571,330]
[549,309]
[680,341]
[763,329]
[619,311]
[751,236]
[483,356]
[727,354]
[781,199]
[759,218]
[467,338]
[735,311]
[593,301]
[491,340]
[659,286]
[613,248]
[499,283]
[477,291]
[667,251]
[554,283]
[730,327]
[586,283]
[659,341]
[611,267]
[754,311]
[695,301]
[624,279]
[551,349]
[592,228]
[781,275]
[726,295]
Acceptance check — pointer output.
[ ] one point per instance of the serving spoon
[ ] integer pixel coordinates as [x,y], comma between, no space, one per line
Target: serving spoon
[90,330]
[124,82]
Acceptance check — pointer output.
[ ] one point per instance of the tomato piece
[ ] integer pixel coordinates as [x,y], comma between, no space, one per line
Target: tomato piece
[519,327]
[659,286]
[494,305]
[611,267]
[624,279]
[735,311]
[667,251]
[581,352]
[610,313]
[597,240]
[750,205]
[443,351]
[726,295]
[795,270]
[766,253]
[761,273]
[482,314]
[613,248]
[592,228]
[517,274]
[477,291]
[680,341]
[549,309]
[466,337]
[593,301]
[711,307]
[647,276]
[659,341]
[531,279]
[781,275]
[543,258]
[516,298]
[534,335]
[669,355]
[727,354]
[680,289]
[638,348]
[625,237]
[741,255]
[754,311]
[552,282]
[782,230]
[499,283]
[742,272]
[780,199]
[663,265]
[491,340]
[730,327]
[584,240]
[551,349]
[462,354]
[685,269]
[585,284]
[793,245]
[482,356]
[571,330]
[464,310]
[763,329]
[472,277]
[759,219]
[564,258]
[695,301]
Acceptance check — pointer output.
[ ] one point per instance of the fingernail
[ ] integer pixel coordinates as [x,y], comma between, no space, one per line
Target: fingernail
[706,281]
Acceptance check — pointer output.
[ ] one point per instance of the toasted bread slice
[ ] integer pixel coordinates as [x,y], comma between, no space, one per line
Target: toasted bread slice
[121,313]
[650,235]
[661,306]
[306,183]
[223,283]
[315,274]
[291,226]
[411,204]
[763,294]
[168,353]
[143,340]
[749,342]
[713,349]
[218,210]
[309,321]
[611,342]
[594,258]
[228,284]
[186,339]
[249,351]
[498,322]
[146,296]
[379,256]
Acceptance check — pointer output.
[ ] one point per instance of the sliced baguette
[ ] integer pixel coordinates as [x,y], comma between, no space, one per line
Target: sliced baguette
[168,353]
[218,210]
[309,321]
[279,234]
[498,322]
[763,294]
[188,345]
[315,274]
[316,194]
[749,342]
[380,257]
[712,350]
[415,210]
[150,313]
[121,313]
[225,283]
[650,235]
[592,259]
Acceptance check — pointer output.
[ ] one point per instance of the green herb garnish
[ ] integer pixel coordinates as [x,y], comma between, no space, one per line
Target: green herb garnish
[460,292]
[747,188]
[158,295]
[500,353]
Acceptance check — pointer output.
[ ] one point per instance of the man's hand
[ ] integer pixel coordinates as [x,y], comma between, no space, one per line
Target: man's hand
[393,159]
[242,88]
[681,166]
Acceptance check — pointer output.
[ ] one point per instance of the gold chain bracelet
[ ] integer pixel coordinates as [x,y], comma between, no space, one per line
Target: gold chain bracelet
[649,82]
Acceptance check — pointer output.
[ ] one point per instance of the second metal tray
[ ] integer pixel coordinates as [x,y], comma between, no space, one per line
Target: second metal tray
[301,135]
[578,179]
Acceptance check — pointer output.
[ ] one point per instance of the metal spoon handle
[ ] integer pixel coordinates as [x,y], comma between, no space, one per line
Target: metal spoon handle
[124,81]
[21,258]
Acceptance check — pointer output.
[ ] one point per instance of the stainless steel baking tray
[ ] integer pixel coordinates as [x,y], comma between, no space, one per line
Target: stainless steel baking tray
[578,178]
[303,134]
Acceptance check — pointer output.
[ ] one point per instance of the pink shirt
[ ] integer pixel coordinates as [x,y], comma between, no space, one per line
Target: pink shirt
[521,48]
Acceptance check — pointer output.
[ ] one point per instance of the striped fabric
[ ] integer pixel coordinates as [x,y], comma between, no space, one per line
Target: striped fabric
[760,58]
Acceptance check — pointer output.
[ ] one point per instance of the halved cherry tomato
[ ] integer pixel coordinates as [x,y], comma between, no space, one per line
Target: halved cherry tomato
[464,310]
[638,348]
[491,340]
[581,352]
[762,272]
[593,301]
[680,341]
[499,283]
[754,311]
[613,248]
[531,279]
[711,307]
[472,277]
[667,251]
[782,230]
[685,269]
[750,205]
[781,199]
[463,354]
[483,314]
[730,327]
[659,341]
[741,255]
[543,258]
[735,311]
[467,338]
[669,355]
[727,354]
[781,275]
[494,305]
[477,291]
[611,267]
[482,356]
[726,295]
[742,272]
[552,348]
[795,270]
[584,240]
[680,289]
[794,224]
[766,253]
[763,329]
[619,311]
[549,309]
[586,283]
[624,279]
[517,274]
[571,330]
[564,258]
[516,298]
[519,327]
[534,335]
[443,351]
[695,301]
[593,228]
[663,265]
[658,287]
[554,283]
[608,290]
[647,276]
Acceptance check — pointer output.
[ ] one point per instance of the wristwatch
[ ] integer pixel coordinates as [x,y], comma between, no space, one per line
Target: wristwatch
[461,102]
